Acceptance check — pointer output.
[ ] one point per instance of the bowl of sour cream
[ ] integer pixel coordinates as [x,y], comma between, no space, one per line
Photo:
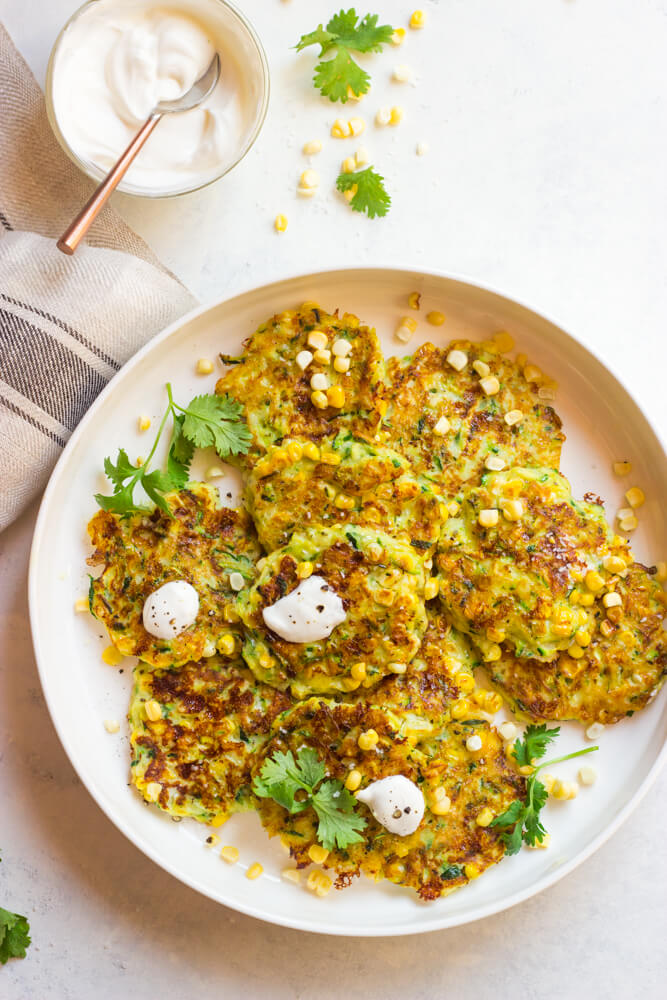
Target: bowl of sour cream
[116,59]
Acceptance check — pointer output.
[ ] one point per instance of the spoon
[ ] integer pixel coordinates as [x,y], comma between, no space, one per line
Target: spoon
[197,93]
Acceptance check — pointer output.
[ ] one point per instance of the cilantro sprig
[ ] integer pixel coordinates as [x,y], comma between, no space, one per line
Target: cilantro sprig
[282,778]
[521,822]
[370,195]
[207,421]
[14,935]
[340,76]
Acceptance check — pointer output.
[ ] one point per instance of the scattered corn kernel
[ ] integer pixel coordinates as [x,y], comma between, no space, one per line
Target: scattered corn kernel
[319,883]
[291,875]
[336,396]
[421,149]
[490,385]
[474,743]
[587,775]
[353,780]
[594,581]
[212,840]
[383,116]
[111,725]
[471,871]
[319,381]
[396,115]
[504,341]
[81,604]
[661,572]
[204,366]
[318,854]
[513,510]
[526,770]
[414,300]
[545,392]
[313,147]
[404,333]
[153,710]
[319,399]
[532,373]
[508,731]
[317,340]
[417,20]
[488,518]
[544,842]
[513,417]
[481,368]
[401,74]
[350,193]
[457,360]
[143,423]
[340,129]
[356,126]
[398,37]
[368,740]
[628,523]
[635,497]
[362,157]
[349,165]
[112,657]
[431,589]
[485,817]
[219,820]
[564,789]
[594,731]
[622,468]
[435,318]
[254,871]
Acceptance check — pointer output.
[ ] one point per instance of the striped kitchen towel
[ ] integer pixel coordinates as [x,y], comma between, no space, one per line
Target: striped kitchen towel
[67,324]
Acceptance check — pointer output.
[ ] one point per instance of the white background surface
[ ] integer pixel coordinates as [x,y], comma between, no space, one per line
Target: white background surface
[547,125]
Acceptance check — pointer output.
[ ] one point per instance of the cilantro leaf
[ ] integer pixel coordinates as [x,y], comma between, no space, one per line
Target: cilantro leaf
[370,195]
[333,77]
[534,744]
[339,823]
[279,779]
[359,34]
[325,39]
[216,421]
[14,935]
[119,472]
[311,768]
[181,452]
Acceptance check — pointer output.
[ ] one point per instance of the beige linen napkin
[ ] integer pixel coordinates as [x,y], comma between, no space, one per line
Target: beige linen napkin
[67,324]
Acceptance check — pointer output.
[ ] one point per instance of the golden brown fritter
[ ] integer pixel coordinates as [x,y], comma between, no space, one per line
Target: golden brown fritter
[448,849]
[201,543]
[425,387]
[276,392]
[381,583]
[213,720]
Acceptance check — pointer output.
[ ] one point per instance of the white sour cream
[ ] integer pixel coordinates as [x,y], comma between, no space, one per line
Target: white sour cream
[396,802]
[171,609]
[310,612]
[119,59]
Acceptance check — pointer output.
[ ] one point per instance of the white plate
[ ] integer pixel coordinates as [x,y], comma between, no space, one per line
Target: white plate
[602,423]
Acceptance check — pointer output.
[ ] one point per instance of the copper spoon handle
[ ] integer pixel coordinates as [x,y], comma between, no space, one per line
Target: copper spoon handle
[76,231]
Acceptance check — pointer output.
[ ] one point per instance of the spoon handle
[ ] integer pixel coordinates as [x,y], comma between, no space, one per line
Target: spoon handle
[77,229]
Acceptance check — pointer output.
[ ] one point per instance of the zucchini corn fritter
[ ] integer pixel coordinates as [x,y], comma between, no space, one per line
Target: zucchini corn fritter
[427,496]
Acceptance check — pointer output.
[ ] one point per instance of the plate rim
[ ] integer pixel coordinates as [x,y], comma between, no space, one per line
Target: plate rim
[440,922]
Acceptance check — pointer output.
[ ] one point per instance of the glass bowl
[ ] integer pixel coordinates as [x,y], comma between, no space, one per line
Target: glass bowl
[251,64]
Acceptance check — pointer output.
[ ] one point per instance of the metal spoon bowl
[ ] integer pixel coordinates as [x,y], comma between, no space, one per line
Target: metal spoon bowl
[197,93]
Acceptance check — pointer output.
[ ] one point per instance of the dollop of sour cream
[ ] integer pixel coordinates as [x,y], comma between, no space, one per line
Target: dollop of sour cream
[396,802]
[170,609]
[118,60]
[310,612]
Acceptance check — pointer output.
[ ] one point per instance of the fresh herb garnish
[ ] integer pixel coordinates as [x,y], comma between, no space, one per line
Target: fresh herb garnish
[370,195]
[208,421]
[14,935]
[341,77]
[282,778]
[524,817]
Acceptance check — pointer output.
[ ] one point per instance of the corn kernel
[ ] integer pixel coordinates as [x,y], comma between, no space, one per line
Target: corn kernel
[465,682]
[330,458]
[614,564]
[594,581]
[532,373]
[313,147]
[564,789]
[661,572]
[575,651]
[153,710]
[319,381]
[319,883]
[143,423]
[606,628]
[265,661]
[474,743]
[153,790]
[442,426]
[622,468]
[295,451]
[340,129]
[587,600]
[490,385]
[471,871]
[341,365]
[582,638]
[212,840]
[404,333]
[513,417]
[484,818]
[368,740]
[431,589]
[628,523]
[396,115]
[508,731]
[336,396]
[635,497]
[112,657]
[435,318]
[348,684]
[226,645]
[344,502]
[81,604]
[304,570]
[311,451]
[319,400]
[350,193]
[356,126]
[504,341]
[353,780]
[291,875]
[218,821]
[442,803]
[317,854]
[545,392]
[322,357]
[341,348]
[230,614]
[348,166]
[111,725]
[488,518]
[612,600]
[594,731]
[417,20]
[358,671]
[204,366]
[414,299]
[587,775]
[481,368]
[254,871]
[513,510]
[231,856]
[362,157]
[526,770]
[383,116]
[493,653]
[401,74]
[398,36]
[317,339]
[494,464]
